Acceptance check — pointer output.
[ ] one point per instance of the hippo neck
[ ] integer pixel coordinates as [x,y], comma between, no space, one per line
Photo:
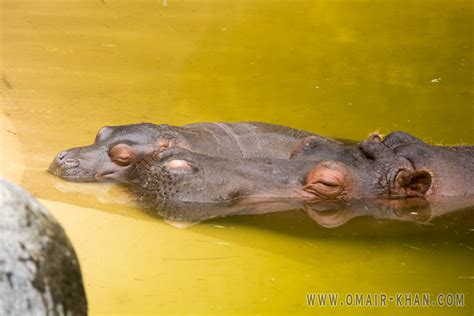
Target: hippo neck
[452,169]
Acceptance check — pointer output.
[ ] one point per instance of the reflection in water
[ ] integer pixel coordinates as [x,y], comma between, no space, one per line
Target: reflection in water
[104,192]
[417,210]
[434,212]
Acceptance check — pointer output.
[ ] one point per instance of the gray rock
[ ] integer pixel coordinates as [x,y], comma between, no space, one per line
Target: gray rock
[39,270]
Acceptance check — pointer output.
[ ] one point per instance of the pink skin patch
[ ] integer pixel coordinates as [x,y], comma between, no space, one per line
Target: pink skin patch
[178,166]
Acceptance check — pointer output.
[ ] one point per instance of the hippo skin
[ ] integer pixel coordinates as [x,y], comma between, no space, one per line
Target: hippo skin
[451,167]
[39,270]
[181,185]
[321,175]
[108,159]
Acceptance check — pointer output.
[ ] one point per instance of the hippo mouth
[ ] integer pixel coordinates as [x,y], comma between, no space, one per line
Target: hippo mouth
[112,175]
[101,176]
[64,174]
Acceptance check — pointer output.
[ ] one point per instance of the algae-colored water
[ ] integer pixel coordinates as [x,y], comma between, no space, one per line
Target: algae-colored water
[338,68]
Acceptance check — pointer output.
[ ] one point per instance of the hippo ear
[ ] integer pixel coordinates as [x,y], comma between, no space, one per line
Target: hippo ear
[165,142]
[103,133]
[413,183]
[178,166]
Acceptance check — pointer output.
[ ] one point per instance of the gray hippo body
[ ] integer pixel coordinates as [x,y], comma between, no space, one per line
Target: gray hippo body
[181,185]
[39,271]
[108,159]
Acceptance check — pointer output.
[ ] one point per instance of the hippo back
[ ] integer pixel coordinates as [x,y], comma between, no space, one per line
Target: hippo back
[243,139]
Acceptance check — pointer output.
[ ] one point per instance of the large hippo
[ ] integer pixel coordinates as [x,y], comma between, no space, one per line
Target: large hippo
[181,185]
[39,270]
[108,159]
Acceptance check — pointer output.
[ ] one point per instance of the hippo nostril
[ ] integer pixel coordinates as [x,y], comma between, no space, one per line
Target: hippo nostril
[71,162]
[61,155]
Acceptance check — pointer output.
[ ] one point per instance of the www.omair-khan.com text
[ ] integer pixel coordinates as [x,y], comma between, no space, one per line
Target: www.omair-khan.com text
[382,299]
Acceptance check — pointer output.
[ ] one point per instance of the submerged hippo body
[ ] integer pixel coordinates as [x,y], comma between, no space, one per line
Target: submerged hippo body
[108,159]
[184,186]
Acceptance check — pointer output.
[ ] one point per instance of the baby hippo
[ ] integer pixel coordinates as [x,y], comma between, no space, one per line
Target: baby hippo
[109,157]
[184,186]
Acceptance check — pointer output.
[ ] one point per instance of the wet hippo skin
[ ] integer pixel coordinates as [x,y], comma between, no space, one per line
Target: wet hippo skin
[451,167]
[181,185]
[438,179]
[108,159]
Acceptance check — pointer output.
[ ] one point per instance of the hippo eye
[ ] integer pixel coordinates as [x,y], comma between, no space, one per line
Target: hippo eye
[122,154]
[328,188]
[326,180]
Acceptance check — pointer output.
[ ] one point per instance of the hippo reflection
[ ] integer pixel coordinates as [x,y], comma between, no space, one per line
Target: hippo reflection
[415,209]
[108,159]
[184,186]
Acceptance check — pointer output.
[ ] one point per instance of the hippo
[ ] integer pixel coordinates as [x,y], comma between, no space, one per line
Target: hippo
[181,185]
[39,270]
[108,159]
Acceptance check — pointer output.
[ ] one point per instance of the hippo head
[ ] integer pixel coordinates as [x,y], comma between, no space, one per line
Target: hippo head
[181,185]
[109,157]
[369,169]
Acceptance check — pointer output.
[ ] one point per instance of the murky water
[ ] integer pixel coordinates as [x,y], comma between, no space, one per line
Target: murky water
[342,69]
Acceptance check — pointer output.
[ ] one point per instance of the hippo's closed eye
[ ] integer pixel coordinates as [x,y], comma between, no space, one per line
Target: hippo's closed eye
[122,154]
[327,180]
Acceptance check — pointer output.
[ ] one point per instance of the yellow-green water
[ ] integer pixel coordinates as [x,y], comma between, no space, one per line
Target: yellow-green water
[338,68]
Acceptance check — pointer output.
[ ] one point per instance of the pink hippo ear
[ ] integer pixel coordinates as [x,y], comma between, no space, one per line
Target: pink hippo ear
[163,144]
[412,183]
[178,166]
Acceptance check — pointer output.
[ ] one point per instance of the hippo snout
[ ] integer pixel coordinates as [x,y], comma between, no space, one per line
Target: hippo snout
[61,161]
[65,167]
